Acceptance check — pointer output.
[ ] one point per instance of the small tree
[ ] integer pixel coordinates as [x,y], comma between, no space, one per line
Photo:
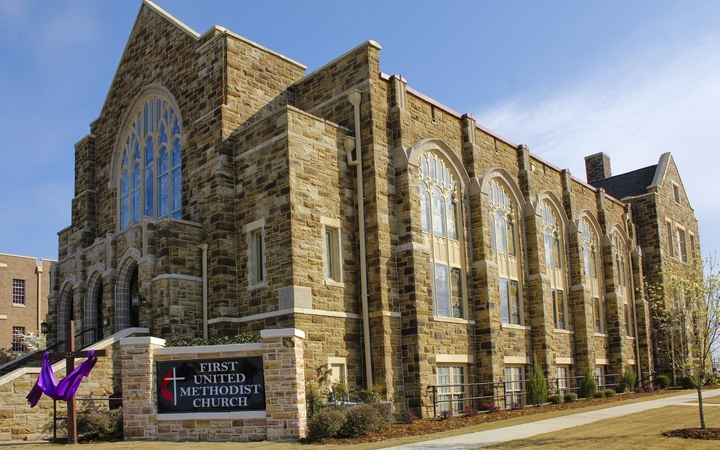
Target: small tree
[628,380]
[588,386]
[686,309]
[537,389]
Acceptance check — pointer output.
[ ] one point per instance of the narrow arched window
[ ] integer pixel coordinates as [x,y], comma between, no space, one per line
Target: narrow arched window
[592,278]
[440,224]
[503,239]
[554,256]
[151,170]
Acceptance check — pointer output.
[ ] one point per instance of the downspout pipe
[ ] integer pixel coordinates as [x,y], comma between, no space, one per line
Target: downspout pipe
[39,271]
[638,360]
[204,248]
[354,98]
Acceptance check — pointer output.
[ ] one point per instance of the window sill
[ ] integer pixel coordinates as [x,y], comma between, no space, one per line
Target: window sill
[260,285]
[602,335]
[329,282]
[563,331]
[512,326]
[452,320]
[630,338]
[17,305]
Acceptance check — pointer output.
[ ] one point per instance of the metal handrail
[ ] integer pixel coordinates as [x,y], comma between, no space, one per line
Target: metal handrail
[28,359]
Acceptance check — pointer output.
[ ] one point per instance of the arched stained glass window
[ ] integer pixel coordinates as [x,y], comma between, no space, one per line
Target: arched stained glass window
[440,221]
[151,172]
[591,275]
[503,241]
[554,247]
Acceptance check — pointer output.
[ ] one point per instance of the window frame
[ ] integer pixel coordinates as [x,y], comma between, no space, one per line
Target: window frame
[18,345]
[332,251]
[442,230]
[141,186]
[563,385]
[554,247]
[514,386]
[600,376]
[451,395]
[257,275]
[18,292]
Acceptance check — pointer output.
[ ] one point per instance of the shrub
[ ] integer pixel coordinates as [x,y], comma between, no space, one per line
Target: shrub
[96,423]
[556,399]
[489,407]
[517,406]
[408,417]
[628,380]
[537,390]
[362,419]
[639,390]
[599,394]
[662,381]
[446,414]
[471,412]
[687,383]
[374,394]
[570,397]
[241,338]
[339,392]
[313,399]
[326,423]
[384,412]
[609,393]
[588,387]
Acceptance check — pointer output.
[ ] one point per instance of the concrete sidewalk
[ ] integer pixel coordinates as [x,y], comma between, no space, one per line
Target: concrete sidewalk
[499,435]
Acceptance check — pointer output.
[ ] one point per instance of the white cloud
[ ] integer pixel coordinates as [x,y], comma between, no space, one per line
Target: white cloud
[635,109]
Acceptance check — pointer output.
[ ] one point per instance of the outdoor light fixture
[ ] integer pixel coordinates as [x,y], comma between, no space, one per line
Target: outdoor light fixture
[136,300]
[44,327]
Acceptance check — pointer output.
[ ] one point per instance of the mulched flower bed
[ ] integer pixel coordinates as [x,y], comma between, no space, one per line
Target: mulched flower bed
[694,433]
[432,425]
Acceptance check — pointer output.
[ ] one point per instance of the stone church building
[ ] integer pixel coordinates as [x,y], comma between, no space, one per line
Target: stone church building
[222,189]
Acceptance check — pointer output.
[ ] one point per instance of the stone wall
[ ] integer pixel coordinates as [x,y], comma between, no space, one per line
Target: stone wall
[284,417]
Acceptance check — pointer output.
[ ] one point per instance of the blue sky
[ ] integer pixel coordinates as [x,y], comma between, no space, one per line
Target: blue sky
[631,79]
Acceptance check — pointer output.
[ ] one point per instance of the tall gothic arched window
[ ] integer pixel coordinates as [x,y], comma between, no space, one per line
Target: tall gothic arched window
[440,221]
[151,168]
[624,286]
[503,240]
[591,273]
[553,235]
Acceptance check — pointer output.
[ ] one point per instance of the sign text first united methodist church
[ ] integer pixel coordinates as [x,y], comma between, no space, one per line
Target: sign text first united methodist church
[234,384]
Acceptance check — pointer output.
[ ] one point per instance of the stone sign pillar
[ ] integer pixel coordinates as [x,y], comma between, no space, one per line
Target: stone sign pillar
[284,369]
[138,387]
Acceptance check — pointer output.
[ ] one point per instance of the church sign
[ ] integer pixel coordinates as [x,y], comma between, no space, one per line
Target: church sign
[213,385]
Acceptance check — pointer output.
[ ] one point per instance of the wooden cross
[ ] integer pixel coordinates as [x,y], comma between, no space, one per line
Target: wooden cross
[69,355]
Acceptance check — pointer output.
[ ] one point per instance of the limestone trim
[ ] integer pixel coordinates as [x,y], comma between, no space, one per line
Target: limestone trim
[202,349]
[561,361]
[231,415]
[601,361]
[516,360]
[256,45]
[385,314]
[556,203]
[451,320]
[220,160]
[369,43]
[454,359]
[515,326]
[269,142]
[177,276]
[143,340]
[562,331]
[172,19]
[283,332]
[508,181]
[412,246]
[661,171]
[631,362]
[412,155]
[261,316]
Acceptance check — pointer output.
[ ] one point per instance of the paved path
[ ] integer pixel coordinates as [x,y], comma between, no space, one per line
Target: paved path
[526,430]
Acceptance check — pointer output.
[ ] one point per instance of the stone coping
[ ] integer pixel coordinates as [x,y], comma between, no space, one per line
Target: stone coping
[201,349]
[213,415]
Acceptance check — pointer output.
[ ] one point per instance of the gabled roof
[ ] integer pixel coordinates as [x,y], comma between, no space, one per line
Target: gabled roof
[628,184]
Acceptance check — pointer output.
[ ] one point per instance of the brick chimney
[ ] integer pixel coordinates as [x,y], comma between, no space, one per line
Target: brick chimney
[597,167]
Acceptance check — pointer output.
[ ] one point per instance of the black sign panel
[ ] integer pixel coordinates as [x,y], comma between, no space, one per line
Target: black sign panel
[235,384]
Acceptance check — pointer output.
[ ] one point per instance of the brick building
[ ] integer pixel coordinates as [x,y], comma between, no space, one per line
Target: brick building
[222,189]
[24,287]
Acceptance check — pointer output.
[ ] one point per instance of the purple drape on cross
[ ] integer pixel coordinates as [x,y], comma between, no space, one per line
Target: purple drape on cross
[67,387]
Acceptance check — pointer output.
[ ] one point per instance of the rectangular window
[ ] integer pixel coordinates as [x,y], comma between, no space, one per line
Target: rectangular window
[628,321]
[682,246]
[510,301]
[256,252]
[598,315]
[562,380]
[692,246]
[676,193]
[451,388]
[600,377]
[559,304]
[671,245]
[514,382]
[18,345]
[332,254]
[18,292]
